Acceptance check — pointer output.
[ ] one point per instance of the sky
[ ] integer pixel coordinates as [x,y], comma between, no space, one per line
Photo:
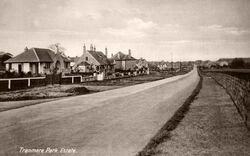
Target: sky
[153,29]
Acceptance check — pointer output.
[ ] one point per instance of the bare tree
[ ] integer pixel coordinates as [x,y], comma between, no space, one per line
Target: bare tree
[58,48]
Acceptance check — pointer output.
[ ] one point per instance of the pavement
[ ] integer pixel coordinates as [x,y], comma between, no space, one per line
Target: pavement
[212,126]
[118,122]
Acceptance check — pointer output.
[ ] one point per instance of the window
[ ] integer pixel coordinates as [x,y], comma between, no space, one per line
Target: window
[10,66]
[86,58]
[66,65]
[47,65]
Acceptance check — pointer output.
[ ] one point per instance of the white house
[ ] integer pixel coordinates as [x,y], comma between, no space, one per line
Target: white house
[38,61]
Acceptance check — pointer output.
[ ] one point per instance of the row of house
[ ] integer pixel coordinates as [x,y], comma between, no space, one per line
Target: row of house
[45,61]
[93,60]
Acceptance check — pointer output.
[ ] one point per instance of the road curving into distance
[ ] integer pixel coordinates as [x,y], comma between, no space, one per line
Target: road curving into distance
[117,122]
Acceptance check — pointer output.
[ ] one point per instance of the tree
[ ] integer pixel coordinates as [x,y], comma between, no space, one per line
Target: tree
[58,48]
[237,63]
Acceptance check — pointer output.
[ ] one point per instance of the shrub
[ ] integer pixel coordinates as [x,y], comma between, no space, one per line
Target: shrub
[237,63]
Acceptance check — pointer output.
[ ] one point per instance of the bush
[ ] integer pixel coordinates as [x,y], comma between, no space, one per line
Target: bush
[78,90]
[237,63]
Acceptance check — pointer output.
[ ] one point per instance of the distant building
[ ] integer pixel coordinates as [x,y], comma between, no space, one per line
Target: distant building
[123,61]
[3,57]
[39,61]
[141,63]
[93,61]
[223,63]
[73,60]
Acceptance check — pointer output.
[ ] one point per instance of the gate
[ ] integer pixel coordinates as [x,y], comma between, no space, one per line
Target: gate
[54,79]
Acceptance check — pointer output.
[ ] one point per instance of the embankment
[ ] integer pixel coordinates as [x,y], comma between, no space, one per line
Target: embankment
[239,91]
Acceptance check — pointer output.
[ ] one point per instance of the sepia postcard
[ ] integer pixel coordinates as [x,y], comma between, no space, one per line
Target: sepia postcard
[124,77]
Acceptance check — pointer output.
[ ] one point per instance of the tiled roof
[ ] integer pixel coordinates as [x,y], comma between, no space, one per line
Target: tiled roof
[83,63]
[32,55]
[122,56]
[4,54]
[43,54]
[27,56]
[35,55]
[66,59]
[100,57]
[73,59]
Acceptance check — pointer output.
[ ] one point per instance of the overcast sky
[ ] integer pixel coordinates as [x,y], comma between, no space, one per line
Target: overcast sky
[152,29]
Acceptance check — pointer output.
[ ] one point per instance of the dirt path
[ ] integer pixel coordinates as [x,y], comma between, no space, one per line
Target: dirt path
[211,127]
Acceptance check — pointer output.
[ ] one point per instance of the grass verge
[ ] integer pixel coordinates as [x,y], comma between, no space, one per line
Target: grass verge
[165,132]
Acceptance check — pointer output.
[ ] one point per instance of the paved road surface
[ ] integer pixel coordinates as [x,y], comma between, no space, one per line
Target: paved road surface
[118,122]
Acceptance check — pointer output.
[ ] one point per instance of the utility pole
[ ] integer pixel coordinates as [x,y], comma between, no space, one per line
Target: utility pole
[172,61]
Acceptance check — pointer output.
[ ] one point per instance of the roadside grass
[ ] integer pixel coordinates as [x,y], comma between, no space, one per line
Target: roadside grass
[44,92]
[165,132]
[153,76]
[228,70]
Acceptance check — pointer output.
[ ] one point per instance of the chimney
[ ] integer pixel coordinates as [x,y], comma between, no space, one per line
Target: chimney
[94,48]
[26,49]
[84,49]
[106,52]
[112,55]
[91,47]
[129,52]
[118,55]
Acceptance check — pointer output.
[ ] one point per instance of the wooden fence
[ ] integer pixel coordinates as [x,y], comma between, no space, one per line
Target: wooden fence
[22,83]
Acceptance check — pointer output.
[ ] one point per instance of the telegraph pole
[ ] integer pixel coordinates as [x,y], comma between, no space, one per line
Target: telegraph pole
[172,61]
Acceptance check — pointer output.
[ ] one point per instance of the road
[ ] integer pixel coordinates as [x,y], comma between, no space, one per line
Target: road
[118,122]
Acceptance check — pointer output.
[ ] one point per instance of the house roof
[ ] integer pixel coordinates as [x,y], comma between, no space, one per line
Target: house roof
[2,54]
[84,63]
[73,59]
[43,54]
[100,57]
[122,56]
[32,55]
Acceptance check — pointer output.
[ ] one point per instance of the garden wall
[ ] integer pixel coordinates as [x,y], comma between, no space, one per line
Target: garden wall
[239,90]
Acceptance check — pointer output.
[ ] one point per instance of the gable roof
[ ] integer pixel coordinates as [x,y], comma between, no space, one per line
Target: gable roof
[73,59]
[32,55]
[100,57]
[122,56]
[43,54]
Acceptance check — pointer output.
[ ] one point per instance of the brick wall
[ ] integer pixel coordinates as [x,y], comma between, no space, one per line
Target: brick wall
[239,90]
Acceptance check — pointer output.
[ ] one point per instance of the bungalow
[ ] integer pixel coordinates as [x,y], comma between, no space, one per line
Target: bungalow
[93,61]
[3,57]
[39,61]
[123,61]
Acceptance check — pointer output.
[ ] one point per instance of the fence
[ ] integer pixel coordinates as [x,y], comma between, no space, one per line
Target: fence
[239,90]
[21,83]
